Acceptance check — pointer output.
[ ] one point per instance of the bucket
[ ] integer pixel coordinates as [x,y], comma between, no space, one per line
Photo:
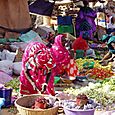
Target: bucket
[78,112]
[6,94]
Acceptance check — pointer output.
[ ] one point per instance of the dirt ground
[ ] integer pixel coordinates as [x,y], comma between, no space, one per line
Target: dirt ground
[6,112]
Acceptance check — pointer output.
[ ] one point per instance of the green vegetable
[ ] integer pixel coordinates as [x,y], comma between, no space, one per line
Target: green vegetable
[102,92]
[14,84]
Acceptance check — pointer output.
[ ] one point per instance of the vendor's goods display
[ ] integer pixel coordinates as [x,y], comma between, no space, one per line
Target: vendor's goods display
[93,69]
[42,103]
[80,62]
[102,92]
[14,84]
[81,105]
[36,104]
[99,73]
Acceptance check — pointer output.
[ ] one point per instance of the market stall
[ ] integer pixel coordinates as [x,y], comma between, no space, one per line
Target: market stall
[42,62]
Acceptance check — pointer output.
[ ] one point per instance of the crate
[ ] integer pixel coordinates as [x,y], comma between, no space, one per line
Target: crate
[6,94]
[65,29]
[64,20]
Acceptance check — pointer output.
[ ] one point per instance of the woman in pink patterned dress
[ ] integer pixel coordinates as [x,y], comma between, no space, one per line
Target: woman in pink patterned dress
[36,65]
[64,62]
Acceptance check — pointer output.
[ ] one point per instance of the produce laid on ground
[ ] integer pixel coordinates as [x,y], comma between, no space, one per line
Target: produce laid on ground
[92,69]
[82,100]
[99,73]
[102,92]
[14,84]
[80,62]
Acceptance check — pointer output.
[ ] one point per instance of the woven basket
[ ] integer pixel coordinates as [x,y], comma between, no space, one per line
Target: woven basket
[25,102]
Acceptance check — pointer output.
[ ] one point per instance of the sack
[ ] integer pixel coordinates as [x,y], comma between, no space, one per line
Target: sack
[6,66]
[4,77]
[7,55]
[17,66]
[30,36]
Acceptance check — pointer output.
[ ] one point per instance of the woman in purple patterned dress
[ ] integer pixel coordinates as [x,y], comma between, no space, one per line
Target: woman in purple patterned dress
[85,20]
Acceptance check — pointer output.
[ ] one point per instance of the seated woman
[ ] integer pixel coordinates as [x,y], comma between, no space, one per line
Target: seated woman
[81,44]
[64,62]
[37,75]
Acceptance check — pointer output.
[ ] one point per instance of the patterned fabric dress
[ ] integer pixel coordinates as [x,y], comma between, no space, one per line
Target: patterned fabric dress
[85,21]
[64,63]
[36,62]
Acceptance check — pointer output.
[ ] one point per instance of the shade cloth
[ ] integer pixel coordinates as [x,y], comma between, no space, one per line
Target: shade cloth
[42,7]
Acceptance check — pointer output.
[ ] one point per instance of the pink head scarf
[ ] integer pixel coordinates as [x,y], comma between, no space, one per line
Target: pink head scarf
[59,52]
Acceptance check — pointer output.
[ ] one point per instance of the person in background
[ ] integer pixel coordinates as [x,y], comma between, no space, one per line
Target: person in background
[85,21]
[14,18]
[64,62]
[81,43]
[89,52]
[110,24]
[37,74]
[111,46]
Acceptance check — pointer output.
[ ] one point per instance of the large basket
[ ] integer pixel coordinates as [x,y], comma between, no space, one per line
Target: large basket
[25,102]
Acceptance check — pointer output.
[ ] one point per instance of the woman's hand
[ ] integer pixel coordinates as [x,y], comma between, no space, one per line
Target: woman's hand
[72,53]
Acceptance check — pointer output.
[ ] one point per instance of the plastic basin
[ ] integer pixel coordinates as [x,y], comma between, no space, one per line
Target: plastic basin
[78,112]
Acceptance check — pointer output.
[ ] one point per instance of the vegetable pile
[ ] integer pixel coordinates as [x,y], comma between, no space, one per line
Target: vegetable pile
[14,84]
[93,69]
[99,73]
[41,103]
[102,92]
[81,61]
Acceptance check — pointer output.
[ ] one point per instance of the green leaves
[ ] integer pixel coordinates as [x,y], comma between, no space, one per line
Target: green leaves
[14,84]
[102,92]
